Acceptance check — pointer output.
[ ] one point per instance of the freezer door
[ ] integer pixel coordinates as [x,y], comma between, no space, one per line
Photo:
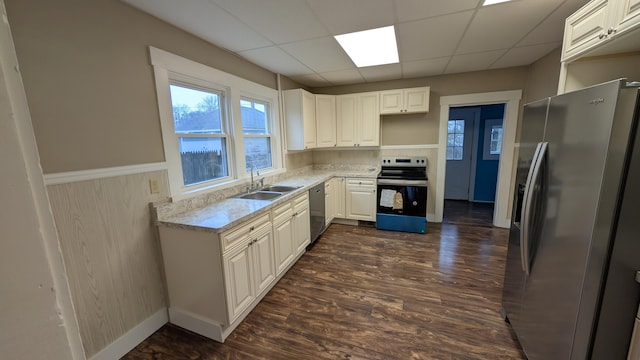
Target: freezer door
[532,132]
[578,130]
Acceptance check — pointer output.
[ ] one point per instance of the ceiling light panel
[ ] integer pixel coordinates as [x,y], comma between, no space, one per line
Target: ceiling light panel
[371,47]
[492,2]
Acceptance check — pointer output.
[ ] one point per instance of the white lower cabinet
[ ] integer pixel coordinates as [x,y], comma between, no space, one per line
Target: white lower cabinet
[249,269]
[291,231]
[214,280]
[334,199]
[361,199]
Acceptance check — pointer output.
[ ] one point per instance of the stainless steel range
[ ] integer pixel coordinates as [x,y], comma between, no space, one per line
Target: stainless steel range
[402,194]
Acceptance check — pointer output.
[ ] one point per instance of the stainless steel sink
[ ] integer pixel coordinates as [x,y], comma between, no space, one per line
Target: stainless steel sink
[260,195]
[279,188]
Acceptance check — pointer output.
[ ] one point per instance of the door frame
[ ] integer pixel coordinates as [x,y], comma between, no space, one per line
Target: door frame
[511,99]
[473,150]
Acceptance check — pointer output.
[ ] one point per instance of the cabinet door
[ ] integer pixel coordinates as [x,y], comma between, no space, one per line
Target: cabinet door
[416,100]
[368,126]
[263,261]
[346,119]
[326,120]
[361,199]
[339,190]
[239,286]
[585,29]
[284,245]
[309,119]
[329,202]
[628,15]
[391,102]
[302,232]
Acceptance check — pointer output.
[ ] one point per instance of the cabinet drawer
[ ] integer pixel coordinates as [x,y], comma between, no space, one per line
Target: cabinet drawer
[361,182]
[301,199]
[281,213]
[235,236]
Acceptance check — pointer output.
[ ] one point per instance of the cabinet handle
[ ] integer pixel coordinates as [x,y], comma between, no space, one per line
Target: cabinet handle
[374,190]
[611,31]
[602,36]
[251,228]
[255,241]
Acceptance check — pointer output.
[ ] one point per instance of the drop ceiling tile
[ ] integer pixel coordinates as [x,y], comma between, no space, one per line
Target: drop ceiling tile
[280,21]
[501,26]
[381,72]
[205,20]
[419,9]
[343,77]
[431,38]
[419,68]
[473,62]
[313,80]
[276,60]
[552,28]
[321,55]
[524,55]
[345,16]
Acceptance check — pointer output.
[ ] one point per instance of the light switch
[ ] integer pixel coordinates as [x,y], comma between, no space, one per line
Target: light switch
[154,184]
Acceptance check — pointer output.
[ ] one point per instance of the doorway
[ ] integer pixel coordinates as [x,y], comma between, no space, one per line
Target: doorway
[511,99]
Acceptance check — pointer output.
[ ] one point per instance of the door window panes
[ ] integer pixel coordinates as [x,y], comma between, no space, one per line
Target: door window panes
[455,139]
[496,140]
[257,135]
[199,129]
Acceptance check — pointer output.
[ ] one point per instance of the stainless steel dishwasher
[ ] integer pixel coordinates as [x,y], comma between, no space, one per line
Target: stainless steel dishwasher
[316,212]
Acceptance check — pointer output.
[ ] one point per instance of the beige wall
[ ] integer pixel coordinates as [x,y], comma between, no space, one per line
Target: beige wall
[591,71]
[89,83]
[419,129]
[543,77]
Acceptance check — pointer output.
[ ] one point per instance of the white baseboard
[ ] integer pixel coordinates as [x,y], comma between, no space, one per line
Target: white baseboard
[196,324]
[133,337]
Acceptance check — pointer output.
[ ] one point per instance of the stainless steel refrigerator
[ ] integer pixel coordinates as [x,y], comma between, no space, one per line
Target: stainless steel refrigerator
[574,245]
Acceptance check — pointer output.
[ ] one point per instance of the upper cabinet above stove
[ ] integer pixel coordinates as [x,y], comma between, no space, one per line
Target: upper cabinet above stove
[404,101]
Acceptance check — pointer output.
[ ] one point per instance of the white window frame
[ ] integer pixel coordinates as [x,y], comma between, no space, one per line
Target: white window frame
[168,68]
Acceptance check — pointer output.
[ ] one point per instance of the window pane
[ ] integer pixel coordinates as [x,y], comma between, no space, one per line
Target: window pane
[496,140]
[449,153]
[459,126]
[196,111]
[459,141]
[203,159]
[258,153]
[457,153]
[451,126]
[254,117]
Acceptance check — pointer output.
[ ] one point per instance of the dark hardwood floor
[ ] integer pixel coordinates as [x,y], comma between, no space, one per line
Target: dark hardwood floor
[363,293]
[462,212]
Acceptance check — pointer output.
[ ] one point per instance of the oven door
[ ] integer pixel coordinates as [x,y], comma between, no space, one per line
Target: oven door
[402,197]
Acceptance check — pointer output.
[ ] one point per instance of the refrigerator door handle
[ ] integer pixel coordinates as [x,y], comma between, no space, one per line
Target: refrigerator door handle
[532,179]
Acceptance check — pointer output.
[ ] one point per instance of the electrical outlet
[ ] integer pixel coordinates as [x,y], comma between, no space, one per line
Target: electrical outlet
[154,185]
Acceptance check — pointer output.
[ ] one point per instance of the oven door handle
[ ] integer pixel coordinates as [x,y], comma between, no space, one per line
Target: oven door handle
[401,182]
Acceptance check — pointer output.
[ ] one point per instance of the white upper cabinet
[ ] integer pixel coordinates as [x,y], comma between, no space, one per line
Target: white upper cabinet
[602,27]
[325,120]
[300,118]
[358,119]
[404,101]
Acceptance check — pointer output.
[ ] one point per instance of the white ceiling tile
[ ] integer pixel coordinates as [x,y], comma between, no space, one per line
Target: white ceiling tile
[345,16]
[276,60]
[524,55]
[205,20]
[280,21]
[502,26]
[431,38]
[552,28]
[473,62]
[313,80]
[419,9]
[419,68]
[321,55]
[381,72]
[343,77]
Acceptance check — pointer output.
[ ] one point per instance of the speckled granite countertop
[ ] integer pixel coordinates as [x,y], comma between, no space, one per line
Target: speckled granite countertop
[229,212]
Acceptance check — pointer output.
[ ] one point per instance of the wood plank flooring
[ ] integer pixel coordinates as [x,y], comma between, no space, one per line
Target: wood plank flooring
[363,293]
[462,212]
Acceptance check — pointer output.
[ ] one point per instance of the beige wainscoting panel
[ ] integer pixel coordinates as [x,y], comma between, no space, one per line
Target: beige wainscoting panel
[111,253]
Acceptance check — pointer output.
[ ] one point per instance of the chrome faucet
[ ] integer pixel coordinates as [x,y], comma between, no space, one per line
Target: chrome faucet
[254,184]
